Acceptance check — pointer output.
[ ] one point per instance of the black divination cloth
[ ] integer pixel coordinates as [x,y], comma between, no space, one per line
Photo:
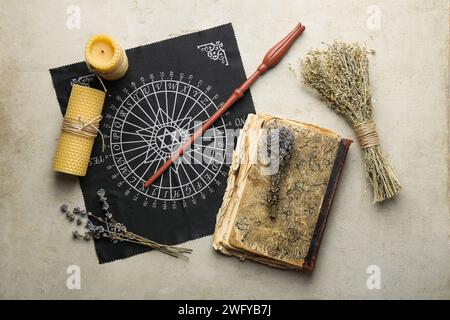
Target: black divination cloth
[170,87]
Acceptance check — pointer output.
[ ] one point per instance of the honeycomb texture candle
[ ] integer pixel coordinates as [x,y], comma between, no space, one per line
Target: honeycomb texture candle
[74,149]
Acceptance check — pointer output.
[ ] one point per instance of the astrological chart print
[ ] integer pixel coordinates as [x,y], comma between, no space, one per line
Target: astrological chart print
[149,121]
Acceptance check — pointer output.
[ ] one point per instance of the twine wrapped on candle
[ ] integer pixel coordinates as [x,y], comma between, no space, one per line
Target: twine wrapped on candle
[79,129]
[340,75]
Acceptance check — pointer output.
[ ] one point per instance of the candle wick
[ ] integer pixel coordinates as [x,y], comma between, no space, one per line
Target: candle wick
[103,51]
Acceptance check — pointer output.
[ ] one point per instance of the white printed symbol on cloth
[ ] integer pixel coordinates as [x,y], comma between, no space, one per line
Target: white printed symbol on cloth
[215,51]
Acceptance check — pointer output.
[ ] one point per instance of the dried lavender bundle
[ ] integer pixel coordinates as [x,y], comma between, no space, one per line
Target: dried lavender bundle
[283,139]
[340,75]
[107,227]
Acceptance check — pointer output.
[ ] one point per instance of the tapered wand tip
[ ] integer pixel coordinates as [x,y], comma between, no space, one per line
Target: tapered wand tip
[279,50]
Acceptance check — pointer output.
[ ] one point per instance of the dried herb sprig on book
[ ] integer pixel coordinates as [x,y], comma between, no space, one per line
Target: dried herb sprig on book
[285,230]
[107,227]
[280,144]
[340,75]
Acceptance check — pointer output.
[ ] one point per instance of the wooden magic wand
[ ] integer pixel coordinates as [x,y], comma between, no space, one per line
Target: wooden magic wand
[271,59]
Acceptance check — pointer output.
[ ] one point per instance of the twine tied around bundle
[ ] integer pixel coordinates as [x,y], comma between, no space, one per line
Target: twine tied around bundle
[84,128]
[367,135]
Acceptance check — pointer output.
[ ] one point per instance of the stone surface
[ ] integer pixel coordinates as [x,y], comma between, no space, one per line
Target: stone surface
[406,238]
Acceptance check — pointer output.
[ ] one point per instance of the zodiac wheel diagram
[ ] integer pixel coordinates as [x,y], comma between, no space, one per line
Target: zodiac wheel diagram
[148,122]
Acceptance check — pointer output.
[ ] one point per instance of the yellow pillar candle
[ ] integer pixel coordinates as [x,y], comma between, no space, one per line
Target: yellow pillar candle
[79,130]
[106,57]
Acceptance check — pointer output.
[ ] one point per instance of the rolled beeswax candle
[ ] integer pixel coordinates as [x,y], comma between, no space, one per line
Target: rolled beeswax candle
[79,130]
[106,57]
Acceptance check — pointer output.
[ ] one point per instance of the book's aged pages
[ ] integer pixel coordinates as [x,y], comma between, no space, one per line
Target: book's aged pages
[244,227]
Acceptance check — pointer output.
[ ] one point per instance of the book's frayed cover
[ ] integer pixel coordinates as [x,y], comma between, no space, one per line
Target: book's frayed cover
[291,241]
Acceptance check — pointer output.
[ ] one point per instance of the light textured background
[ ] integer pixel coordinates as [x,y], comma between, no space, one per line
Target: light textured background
[407,238]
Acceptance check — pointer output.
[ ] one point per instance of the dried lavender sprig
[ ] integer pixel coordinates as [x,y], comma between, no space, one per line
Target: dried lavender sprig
[280,144]
[179,249]
[117,232]
[110,229]
[113,227]
[173,251]
[112,234]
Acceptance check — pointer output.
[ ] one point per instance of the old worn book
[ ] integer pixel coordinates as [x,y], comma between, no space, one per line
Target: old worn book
[246,226]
